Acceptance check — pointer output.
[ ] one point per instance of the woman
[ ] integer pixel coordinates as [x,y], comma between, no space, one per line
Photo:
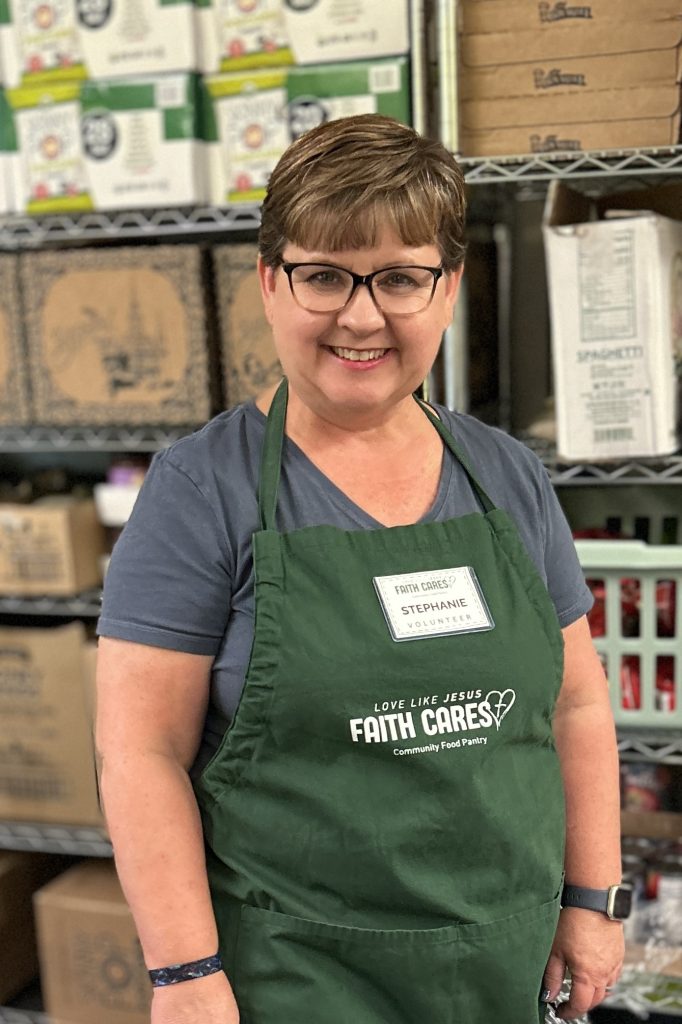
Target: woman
[359,797]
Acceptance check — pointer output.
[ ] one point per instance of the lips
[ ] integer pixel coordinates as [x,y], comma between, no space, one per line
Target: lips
[358,355]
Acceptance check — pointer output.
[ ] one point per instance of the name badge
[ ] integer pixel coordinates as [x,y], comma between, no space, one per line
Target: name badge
[433,603]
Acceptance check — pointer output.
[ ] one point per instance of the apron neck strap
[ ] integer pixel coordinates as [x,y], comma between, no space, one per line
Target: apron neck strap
[485,502]
[271,458]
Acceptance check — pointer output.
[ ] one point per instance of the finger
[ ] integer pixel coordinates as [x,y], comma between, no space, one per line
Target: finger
[553,978]
[579,1002]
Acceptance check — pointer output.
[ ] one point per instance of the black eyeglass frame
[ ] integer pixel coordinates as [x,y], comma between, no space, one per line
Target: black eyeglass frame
[366,279]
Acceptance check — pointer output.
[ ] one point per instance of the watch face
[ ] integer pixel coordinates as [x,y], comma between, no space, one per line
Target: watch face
[622,903]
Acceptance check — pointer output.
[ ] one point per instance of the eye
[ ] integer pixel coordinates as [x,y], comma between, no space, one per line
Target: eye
[404,279]
[321,278]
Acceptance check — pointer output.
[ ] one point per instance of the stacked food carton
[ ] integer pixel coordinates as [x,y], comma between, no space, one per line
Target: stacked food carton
[146,103]
[549,75]
[285,67]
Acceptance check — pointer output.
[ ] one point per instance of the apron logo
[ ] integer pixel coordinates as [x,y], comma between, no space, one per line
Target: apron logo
[499,708]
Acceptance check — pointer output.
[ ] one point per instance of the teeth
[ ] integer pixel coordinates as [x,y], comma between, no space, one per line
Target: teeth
[358,355]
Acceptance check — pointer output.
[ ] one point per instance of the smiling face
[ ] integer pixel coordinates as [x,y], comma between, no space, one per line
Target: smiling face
[357,361]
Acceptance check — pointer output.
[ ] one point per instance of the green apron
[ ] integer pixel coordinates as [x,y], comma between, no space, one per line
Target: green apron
[384,818]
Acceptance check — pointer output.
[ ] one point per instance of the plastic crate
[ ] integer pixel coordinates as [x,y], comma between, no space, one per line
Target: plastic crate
[652,514]
[639,636]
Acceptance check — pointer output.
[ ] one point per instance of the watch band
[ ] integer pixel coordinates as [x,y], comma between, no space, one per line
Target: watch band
[586,899]
[615,901]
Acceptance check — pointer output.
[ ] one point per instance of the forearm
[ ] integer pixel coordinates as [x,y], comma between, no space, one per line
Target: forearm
[586,744]
[155,829]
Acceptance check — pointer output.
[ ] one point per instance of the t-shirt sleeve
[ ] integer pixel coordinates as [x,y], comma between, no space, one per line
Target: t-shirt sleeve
[565,580]
[169,580]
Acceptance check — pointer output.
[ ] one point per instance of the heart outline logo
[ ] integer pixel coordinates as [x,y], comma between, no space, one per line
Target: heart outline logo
[502,706]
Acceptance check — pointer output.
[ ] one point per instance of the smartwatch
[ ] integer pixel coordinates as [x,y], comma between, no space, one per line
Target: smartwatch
[615,902]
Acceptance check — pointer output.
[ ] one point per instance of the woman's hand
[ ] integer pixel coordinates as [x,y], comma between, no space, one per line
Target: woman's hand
[200,1001]
[591,947]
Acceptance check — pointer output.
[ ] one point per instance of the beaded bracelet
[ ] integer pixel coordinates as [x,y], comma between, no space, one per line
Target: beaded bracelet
[176,973]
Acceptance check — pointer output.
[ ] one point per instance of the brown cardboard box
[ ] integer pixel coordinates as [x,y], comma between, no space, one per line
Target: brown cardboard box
[21,874]
[544,15]
[92,971]
[575,74]
[562,41]
[607,106]
[117,336]
[47,771]
[250,361]
[571,138]
[52,547]
[14,400]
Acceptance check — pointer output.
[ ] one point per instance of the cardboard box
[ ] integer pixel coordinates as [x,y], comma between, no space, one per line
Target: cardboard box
[615,290]
[276,33]
[257,115]
[47,767]
[14,398]
[249,359]
[477,16]
[49,172]
[575,74]
[590,38]
[118,335]
[582,136]
[51,547]
[108,145]
[92,970]
[21,874]
[143,142]
[41,44]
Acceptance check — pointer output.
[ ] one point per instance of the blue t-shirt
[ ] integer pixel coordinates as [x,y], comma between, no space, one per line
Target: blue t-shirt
[181,574]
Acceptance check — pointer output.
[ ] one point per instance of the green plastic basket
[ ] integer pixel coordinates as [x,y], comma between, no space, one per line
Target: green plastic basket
[645,570]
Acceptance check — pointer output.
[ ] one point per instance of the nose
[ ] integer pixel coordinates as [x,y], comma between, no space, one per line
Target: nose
[361,315]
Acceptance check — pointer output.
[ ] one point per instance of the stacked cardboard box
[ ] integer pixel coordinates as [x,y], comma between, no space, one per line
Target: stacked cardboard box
[117,336]
[257,114]
[92,970]
[615,289]
[540,77]
[47,765]
[14,398]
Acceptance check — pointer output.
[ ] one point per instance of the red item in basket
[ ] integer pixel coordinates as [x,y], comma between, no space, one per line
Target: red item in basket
[596,617]
[665,608]
[665,684]
[630,686]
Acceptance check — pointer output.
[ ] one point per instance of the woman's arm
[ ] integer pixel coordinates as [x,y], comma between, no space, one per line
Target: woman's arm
[151,705]
[586,942]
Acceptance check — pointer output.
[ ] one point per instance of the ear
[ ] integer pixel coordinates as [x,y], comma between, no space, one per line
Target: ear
[266,279]
[452,283]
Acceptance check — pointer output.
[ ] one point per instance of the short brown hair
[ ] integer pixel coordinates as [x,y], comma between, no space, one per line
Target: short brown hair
[336,184]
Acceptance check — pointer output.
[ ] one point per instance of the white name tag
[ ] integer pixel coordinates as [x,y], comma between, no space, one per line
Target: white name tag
[433,603]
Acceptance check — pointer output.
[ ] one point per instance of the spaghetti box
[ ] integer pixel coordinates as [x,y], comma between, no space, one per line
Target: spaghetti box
[8,154]
[71,40]
[47,764]
[142,141]
[51,547]
[249,359]
[274,33]
[14,399]
[91,964]
[256,115]
[615,289]
[117,335]
[21,874]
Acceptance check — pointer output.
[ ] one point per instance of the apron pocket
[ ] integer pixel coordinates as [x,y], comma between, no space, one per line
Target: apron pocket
[290,969]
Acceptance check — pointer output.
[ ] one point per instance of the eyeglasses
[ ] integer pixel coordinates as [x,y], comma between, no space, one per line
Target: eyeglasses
[396,291]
